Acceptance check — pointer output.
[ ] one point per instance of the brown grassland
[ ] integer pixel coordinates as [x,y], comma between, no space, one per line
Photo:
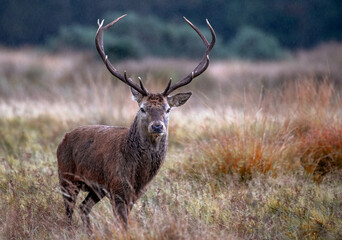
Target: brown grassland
[255,154]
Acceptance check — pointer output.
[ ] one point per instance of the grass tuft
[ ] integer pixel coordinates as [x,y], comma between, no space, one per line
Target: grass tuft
[321,151]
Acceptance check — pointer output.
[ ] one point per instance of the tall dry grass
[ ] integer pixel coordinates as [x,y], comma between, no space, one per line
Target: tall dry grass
[294,127]
[255,154]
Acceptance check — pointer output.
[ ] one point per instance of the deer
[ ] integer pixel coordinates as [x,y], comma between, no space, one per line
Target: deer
[120,162]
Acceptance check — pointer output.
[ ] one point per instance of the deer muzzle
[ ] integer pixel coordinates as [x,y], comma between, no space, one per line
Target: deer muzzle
[156,127]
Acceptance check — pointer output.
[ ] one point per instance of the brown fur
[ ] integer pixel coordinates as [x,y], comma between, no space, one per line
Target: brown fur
[116,162]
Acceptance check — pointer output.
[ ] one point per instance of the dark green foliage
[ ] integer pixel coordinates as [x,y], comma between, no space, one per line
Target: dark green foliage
[137,36]
[252,43]
[124,47]
[294,23]
[75,36]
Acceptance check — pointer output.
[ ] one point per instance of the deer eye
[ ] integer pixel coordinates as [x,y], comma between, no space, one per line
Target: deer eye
[142,110]
[168,110]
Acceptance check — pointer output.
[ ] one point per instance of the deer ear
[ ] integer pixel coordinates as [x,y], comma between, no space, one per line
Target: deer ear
[137,96]
[178,99]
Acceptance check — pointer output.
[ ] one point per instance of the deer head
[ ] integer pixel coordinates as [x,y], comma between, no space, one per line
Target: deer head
[153,115]
[154,110]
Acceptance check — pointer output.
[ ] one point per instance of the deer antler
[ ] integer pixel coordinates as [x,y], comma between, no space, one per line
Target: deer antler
[201,67]
[99,46]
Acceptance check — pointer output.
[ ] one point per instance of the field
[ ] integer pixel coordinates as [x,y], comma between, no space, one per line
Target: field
[256,153]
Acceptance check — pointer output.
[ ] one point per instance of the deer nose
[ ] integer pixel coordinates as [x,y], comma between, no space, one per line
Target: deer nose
[157,128]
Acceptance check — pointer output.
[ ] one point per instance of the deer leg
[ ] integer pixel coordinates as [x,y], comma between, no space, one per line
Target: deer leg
[121,210]
[88,203]
[69,192]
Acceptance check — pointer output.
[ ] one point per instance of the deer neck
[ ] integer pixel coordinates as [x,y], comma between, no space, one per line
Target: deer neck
[146,154]
[143,144]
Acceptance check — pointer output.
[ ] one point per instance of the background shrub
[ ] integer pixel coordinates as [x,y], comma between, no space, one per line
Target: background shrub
[74,36]
[252,43]
[137,36]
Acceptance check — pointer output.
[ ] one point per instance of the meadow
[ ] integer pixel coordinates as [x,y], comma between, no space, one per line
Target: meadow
[256,153]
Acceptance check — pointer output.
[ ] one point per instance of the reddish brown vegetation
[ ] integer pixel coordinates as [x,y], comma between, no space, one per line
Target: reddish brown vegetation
[321,151]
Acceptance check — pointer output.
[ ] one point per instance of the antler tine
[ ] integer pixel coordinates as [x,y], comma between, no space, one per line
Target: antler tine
[142,86]
[202,66]
[198,32]
[167,87]
[99,46]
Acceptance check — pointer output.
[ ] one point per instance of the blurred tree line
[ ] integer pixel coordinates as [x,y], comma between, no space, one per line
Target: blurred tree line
[245,28]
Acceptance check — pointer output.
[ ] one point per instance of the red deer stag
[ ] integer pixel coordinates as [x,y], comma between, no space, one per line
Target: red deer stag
[119,162]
